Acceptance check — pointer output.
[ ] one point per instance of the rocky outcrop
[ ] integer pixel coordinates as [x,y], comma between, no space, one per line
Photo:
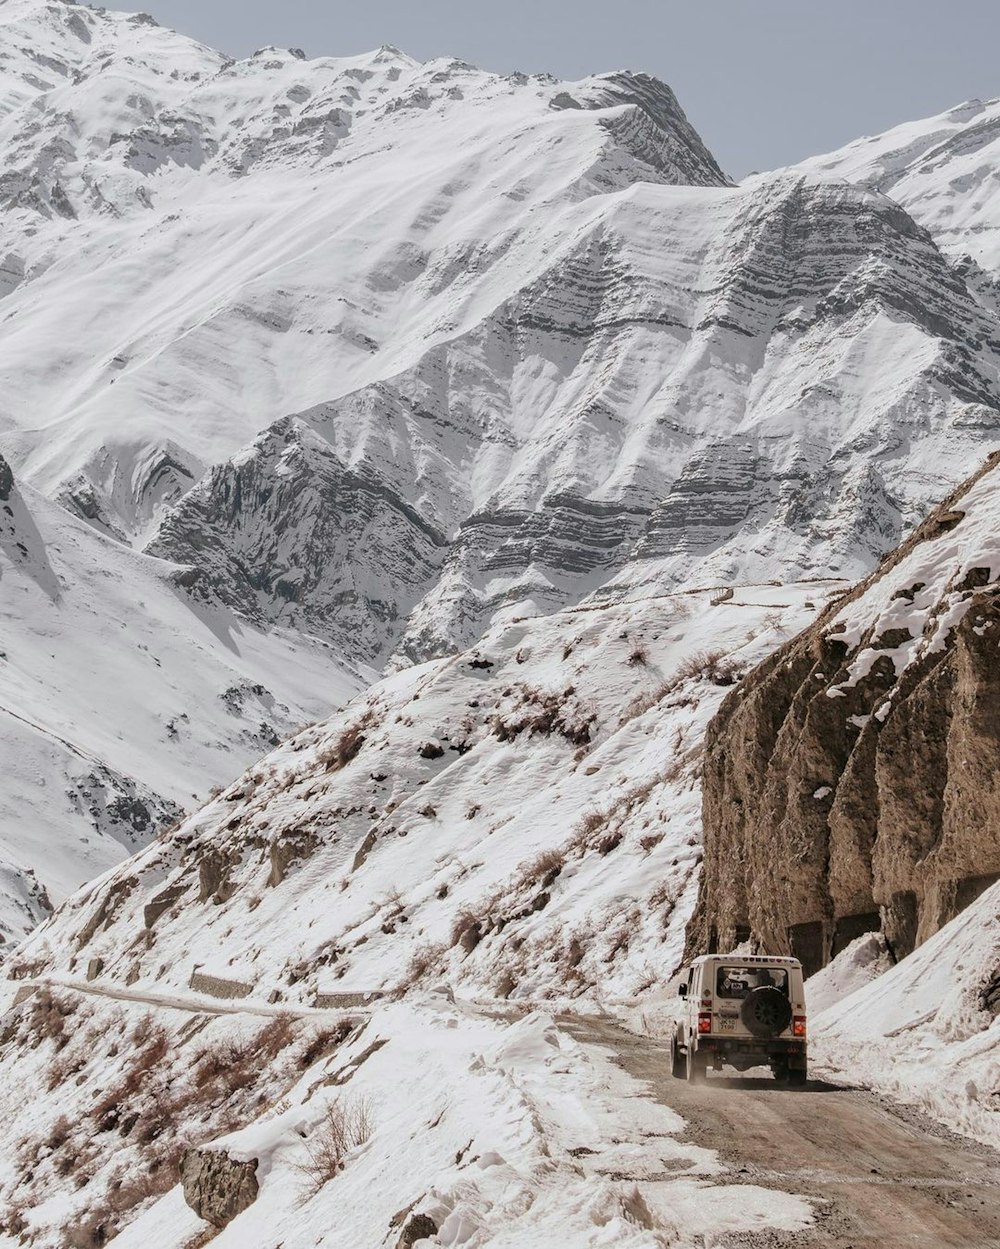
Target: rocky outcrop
[416,1228]
[851,780]
[286,533]
[216,1186]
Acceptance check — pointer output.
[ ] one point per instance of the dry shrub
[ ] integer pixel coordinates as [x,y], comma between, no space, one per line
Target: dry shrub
[347,746]
[573,956]
[705,665]
[541,871]
[708,666]
[644,702]
[638,656]
[544,713]
[324,1042]
[13,1222]
[59,1133]
[585,829]
[96,1227]
[466,930]
[130,1189]
[62,1069]
[346,1125]
[425,958]
[47,1021]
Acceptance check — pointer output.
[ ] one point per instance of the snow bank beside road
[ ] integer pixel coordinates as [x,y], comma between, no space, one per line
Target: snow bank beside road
[504,1133]
[856,966]
[927,1031]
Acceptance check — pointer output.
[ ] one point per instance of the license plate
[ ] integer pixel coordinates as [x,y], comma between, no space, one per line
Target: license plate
[726,1025]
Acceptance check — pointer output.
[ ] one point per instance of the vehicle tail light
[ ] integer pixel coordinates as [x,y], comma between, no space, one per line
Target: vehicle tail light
[799,1025]
[705,1021]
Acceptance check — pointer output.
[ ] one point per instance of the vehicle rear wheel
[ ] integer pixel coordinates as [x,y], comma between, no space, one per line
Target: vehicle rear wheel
[779,1069]
[697,1066]
[678,1067]
[797,1075]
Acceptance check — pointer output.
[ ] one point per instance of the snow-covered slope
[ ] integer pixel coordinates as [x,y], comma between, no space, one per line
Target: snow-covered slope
[232,242]
[942,170]
[665,385]
[120,707]
[523,819]
[477,1130]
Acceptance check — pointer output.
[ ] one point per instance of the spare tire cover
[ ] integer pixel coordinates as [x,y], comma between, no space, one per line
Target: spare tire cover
[766,1012]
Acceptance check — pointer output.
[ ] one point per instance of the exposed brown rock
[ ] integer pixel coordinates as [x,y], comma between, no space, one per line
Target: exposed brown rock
[288,849]
[213,877]
[216,1186]
[827,816]
[418,1227]
[162,903]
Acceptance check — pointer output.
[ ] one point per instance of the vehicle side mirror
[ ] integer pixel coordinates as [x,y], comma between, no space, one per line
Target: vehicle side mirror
[682,990]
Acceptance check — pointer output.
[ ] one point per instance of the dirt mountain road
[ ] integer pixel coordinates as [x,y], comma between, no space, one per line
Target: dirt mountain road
[876,1174]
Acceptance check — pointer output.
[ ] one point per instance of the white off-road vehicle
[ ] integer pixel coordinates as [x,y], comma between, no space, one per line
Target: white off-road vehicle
[744,1011]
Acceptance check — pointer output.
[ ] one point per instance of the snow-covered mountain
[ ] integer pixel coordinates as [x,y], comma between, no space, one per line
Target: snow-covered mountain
[120,706]
[943,171]
[159,206]
[523,328]
[489,407]
[371,355]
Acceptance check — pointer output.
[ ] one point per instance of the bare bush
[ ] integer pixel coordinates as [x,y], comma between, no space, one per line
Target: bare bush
[541,871]
[466,930]
[424,959]
[59,1133]
[347,746]
[346,1125]
[638,656]
[68,1064]
[542,713]
[585,829]
[707,666]
[644,702]
[49,1013]
[324,1042]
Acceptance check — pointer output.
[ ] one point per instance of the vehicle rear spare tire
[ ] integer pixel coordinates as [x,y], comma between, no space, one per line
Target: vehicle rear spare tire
[766,1012]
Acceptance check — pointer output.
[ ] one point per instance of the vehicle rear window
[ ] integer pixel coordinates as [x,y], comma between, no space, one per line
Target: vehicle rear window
[736,982]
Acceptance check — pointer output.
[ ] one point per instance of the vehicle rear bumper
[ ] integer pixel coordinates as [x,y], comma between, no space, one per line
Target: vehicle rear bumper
[792,1051]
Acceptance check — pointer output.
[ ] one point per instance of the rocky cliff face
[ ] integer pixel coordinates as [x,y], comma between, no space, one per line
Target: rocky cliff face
[288,535]
[851,781]
[941,169]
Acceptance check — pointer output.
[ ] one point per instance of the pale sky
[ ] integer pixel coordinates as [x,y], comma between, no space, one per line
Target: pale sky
[766,82]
